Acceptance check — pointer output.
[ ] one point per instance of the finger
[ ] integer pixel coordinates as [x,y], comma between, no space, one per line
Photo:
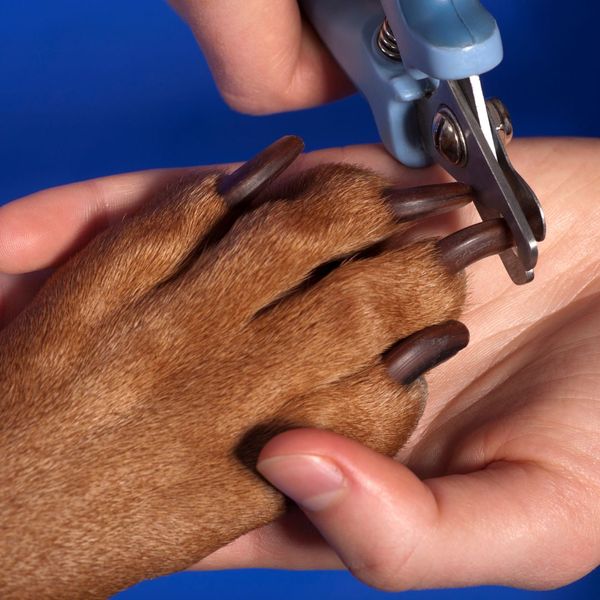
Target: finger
[396,532]
[263,57]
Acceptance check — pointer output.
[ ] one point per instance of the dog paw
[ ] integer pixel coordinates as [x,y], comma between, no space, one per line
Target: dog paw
[142,381]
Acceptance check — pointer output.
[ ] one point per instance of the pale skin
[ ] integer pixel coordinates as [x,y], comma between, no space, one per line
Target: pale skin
[241,38]
[500,483]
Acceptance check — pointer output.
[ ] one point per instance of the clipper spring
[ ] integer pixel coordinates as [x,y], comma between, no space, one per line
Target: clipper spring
[386,41]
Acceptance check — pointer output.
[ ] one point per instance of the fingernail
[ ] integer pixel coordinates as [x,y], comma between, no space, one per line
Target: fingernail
[313,482]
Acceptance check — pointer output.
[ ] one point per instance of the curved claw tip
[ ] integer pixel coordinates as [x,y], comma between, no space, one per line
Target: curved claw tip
[245,183]
[426,201]
[424,350]
[469,245]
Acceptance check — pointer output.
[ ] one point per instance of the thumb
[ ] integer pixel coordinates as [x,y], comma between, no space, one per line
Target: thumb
[396,532]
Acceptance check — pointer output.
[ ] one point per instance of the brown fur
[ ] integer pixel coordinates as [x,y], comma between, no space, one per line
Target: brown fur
[138,387]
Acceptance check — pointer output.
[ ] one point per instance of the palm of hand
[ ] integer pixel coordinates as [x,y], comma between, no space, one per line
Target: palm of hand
[521,397]
[525,388]
[532,347]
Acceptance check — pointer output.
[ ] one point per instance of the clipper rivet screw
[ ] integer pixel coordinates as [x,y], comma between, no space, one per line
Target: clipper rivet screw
[448,137]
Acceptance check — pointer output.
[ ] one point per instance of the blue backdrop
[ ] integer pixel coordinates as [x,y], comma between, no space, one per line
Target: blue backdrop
[105,86]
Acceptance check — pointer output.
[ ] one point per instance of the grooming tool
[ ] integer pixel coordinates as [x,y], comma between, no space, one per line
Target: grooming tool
[418,63]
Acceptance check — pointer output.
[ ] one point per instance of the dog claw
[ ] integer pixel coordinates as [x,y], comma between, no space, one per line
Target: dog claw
[469,245]
[429,200]
[244,184]
[413,356]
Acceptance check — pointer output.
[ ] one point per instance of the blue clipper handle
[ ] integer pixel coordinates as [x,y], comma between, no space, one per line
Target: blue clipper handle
[445,39]
[350,28]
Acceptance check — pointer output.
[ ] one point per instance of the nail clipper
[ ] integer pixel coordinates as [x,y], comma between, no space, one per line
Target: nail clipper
[418,63]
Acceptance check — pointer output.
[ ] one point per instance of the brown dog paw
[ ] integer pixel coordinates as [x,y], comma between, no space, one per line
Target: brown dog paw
[137,388]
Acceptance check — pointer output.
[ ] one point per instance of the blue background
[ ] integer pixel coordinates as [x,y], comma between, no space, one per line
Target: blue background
[104,86]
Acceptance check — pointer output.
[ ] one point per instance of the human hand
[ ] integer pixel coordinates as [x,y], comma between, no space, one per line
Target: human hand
[500,483]
[139,384]
[241,38]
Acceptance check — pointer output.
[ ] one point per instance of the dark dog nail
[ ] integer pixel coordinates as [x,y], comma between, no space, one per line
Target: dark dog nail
[429,200]
[467,246]
[413,356]
[244,184]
